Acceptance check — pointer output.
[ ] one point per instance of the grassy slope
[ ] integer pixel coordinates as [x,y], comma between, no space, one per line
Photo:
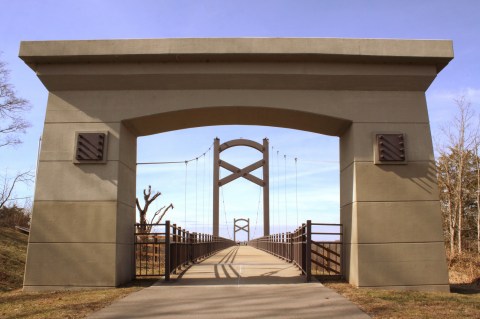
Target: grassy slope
[60,304]
[411,304]
[13,249]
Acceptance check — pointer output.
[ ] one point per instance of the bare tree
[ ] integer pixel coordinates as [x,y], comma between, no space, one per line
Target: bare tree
[12,109]
[12,124]
[7,186]
[456,167]
[446,185]
[461,140]
[157,216]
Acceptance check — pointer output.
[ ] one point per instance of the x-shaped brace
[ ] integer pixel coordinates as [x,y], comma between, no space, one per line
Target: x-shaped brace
[244,172]
[239,228]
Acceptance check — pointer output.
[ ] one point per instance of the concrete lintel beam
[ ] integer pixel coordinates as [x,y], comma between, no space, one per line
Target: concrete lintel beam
[437,52]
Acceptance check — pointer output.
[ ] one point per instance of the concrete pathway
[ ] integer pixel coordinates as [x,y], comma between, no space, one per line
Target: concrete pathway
[239,282]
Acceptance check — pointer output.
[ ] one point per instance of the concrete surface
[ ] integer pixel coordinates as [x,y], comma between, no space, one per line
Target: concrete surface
[349,88]
[239,282]
[246,49]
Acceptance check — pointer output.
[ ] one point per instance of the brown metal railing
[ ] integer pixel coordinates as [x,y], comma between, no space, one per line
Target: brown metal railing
[167,248]
[327,250]
[150,250]
[317,252]
[278,245]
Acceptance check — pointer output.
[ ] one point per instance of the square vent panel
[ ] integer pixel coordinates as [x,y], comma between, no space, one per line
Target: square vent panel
[390,148]
[91,147]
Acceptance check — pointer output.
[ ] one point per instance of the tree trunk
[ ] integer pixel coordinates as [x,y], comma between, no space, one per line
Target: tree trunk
[459,230]
[450,210]
[460,200]
[477,164]
[451,225]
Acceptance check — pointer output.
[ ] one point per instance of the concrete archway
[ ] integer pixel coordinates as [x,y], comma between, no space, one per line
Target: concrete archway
[82,226]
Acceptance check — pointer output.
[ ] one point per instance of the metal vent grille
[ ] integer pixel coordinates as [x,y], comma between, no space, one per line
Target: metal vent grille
[90,147]
[391,147]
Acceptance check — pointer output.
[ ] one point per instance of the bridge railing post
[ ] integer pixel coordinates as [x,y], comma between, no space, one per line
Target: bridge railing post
[290,246]
[181,248]
[281,244]
[303,247]
[308,259]
[189,248]
[173,249]
[167,251]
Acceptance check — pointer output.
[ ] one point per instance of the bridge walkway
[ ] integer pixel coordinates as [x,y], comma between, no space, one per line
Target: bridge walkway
[241,265]
[238,282]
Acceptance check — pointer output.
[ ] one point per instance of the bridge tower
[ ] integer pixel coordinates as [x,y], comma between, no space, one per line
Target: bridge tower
[237,173]
[237,228]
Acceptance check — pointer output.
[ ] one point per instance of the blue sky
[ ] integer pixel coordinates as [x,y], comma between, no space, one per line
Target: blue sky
[317,167]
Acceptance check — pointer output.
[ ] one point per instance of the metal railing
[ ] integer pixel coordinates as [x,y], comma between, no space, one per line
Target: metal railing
[167,248]
[327,250]
[317,252]
[150,248]
[278,245]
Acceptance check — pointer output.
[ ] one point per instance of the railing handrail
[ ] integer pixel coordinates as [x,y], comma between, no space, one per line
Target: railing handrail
[325,224]
[296,246]
[181,246]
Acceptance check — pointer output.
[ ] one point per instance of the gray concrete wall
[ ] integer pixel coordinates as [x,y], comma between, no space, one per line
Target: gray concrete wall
[82,226]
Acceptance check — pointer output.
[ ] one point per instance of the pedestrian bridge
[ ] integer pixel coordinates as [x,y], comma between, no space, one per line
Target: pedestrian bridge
[168,250]
[236,282]
[241,265]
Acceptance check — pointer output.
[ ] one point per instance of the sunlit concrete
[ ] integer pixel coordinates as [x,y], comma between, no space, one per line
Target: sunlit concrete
[241,265]
[349,88]
[239,282]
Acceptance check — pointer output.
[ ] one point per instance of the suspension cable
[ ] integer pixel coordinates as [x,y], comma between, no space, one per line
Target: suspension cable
[258,209]
[203,195]
[273,193]
[210,191]
[285,179]
[225,213]
[278,190]
[296,188]
[186,179]
[177,162]
[196,194]
[185,202]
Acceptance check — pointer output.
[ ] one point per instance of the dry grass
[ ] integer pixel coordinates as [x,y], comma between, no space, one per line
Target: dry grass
[60,304]
[411,304]
[13,249]
[464,270]
[463,302]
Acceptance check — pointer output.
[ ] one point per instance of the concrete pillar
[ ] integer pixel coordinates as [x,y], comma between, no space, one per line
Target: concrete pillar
[82,226]
[391,213]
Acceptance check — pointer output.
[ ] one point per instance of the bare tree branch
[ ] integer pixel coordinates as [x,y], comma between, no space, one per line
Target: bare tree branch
[8,185]
[163,211]
[12,109]
[457,168]
[142,211]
